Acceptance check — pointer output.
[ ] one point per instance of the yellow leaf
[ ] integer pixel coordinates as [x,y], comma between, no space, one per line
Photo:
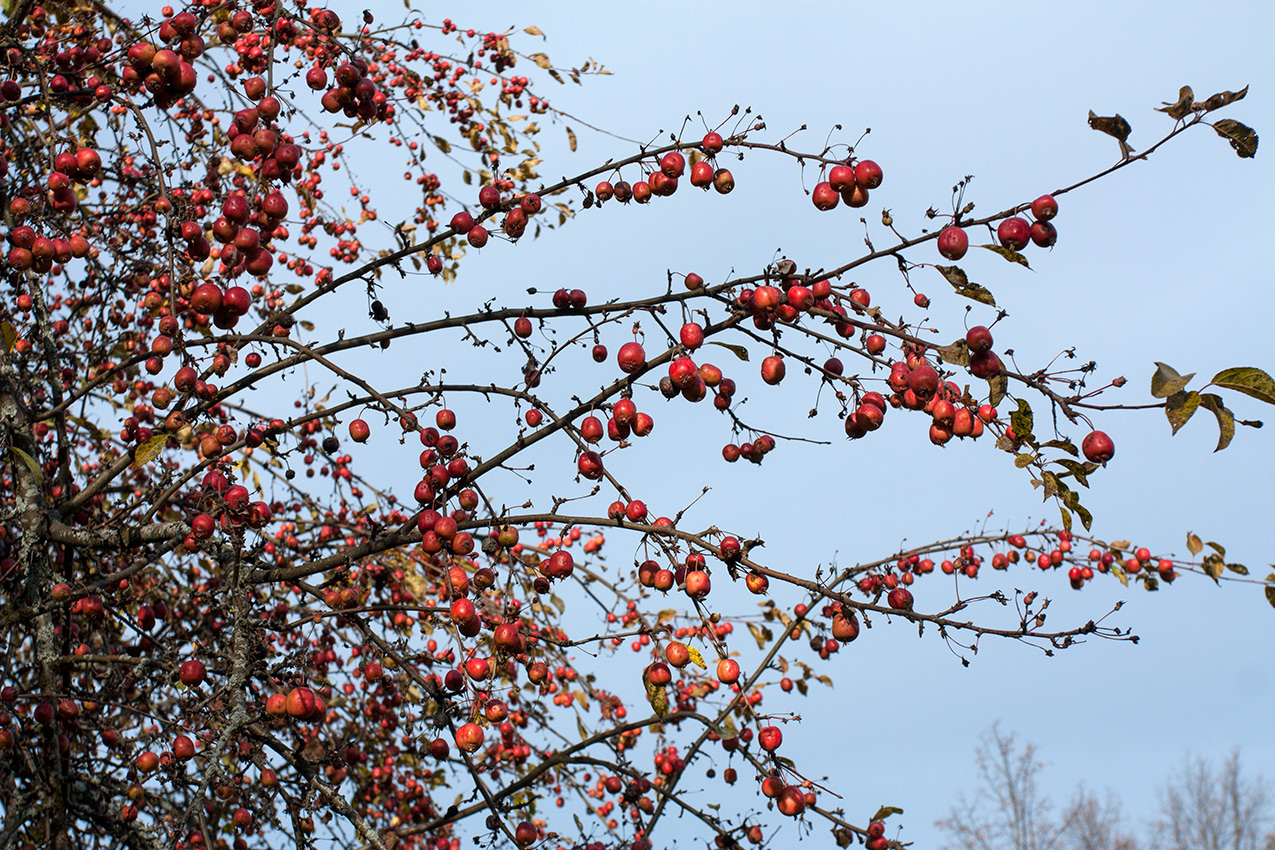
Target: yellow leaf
[149,450]
[532,30]
[571,138]
[541,60]
[696,658]
[10,336]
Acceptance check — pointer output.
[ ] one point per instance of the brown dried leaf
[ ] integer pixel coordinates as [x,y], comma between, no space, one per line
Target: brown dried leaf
[958,353]
[963,286]
[1182,108]
[1116,127]
[1217,101]
[1242,137]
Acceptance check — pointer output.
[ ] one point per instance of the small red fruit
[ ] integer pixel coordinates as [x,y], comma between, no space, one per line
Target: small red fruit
[590,465]
[824,196]
[677,654]
[1098,447]
[469,737]
[191,672]
[658,674]
[359,431]
[631,358]
[1044,234]
[867,174]
[301,702]
[673,164]
[1044,208]
[698,584]
[841,177]
[979,339]
[1014,233]
[792,801]
[953,243]
[772,369]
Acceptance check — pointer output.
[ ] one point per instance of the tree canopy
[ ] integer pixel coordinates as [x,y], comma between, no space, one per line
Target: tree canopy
[230,622]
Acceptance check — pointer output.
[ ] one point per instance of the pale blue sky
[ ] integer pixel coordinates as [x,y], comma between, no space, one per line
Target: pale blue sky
[1163,261]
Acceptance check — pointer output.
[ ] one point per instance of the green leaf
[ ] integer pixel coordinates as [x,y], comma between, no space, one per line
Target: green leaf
[1079,471]
[1241,137]
[738,350]
[1066,445]
[885,811]
[1021,420]
[1166,381]
[1052,485]
[1119,573]
[656,695]
[1072,500]
[1248,380]
[961,283]
[997,387]
[1086,518]
[1180,407]
[1225,419]
[1193,543]
[1012,256]
[30,463]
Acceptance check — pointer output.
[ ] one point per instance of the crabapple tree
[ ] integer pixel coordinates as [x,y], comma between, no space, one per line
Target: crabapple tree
[230,625]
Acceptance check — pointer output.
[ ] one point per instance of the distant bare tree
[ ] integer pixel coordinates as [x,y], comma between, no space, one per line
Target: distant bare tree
[1091,822]
[1009,812]
[1204,809]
